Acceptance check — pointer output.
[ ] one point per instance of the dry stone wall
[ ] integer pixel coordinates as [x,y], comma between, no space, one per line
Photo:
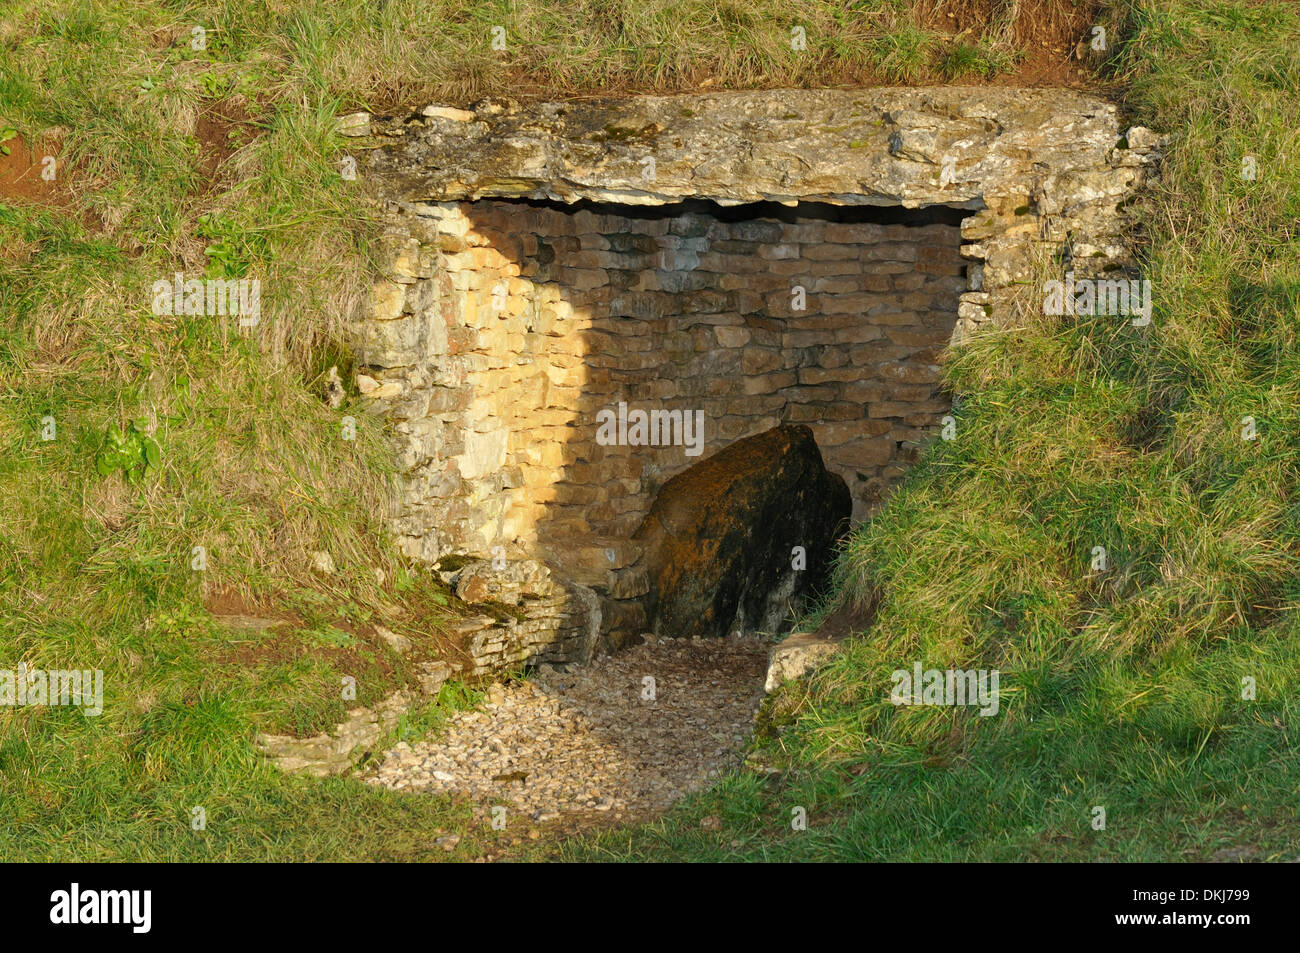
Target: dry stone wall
[557,321]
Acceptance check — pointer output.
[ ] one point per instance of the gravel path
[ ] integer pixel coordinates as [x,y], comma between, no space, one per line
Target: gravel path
[598,738]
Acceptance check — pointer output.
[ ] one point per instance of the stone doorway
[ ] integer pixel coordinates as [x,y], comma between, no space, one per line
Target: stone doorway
[741,259]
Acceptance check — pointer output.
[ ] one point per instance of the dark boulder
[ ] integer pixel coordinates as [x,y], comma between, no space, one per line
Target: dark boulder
[720,537]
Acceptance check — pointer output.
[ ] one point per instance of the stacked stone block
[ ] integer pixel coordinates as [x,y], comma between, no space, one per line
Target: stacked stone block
[513,325]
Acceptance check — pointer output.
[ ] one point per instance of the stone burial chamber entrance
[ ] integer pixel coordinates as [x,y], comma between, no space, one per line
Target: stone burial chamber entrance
[679,328]
[645,358]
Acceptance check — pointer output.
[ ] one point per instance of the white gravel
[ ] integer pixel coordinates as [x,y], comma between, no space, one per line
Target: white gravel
[587,740]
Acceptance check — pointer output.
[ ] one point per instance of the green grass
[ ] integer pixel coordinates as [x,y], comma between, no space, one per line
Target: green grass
[967,61]
[1120,690]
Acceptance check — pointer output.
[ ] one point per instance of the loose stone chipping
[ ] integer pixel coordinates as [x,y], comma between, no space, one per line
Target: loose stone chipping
[587,741]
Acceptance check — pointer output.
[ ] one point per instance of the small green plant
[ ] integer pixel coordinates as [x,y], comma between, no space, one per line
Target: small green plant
[214,86]
[230,249]
[133,451]
[249,83]
[6,134]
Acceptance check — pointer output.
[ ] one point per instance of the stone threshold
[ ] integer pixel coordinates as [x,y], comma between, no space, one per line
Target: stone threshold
[338,751]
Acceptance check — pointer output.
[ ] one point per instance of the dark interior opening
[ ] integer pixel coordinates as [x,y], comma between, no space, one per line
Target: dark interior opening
[824,211]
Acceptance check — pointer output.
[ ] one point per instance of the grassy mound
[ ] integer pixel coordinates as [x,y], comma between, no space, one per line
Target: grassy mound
[214,152]
[1162,688]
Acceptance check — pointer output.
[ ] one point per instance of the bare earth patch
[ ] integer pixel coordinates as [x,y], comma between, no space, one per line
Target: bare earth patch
[591,741]
[21,178]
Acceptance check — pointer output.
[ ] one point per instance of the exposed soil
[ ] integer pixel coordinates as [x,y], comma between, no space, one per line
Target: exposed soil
[227,603]
[847,620]
[222,129]
[20,173]
[1047,31]
[262,634]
